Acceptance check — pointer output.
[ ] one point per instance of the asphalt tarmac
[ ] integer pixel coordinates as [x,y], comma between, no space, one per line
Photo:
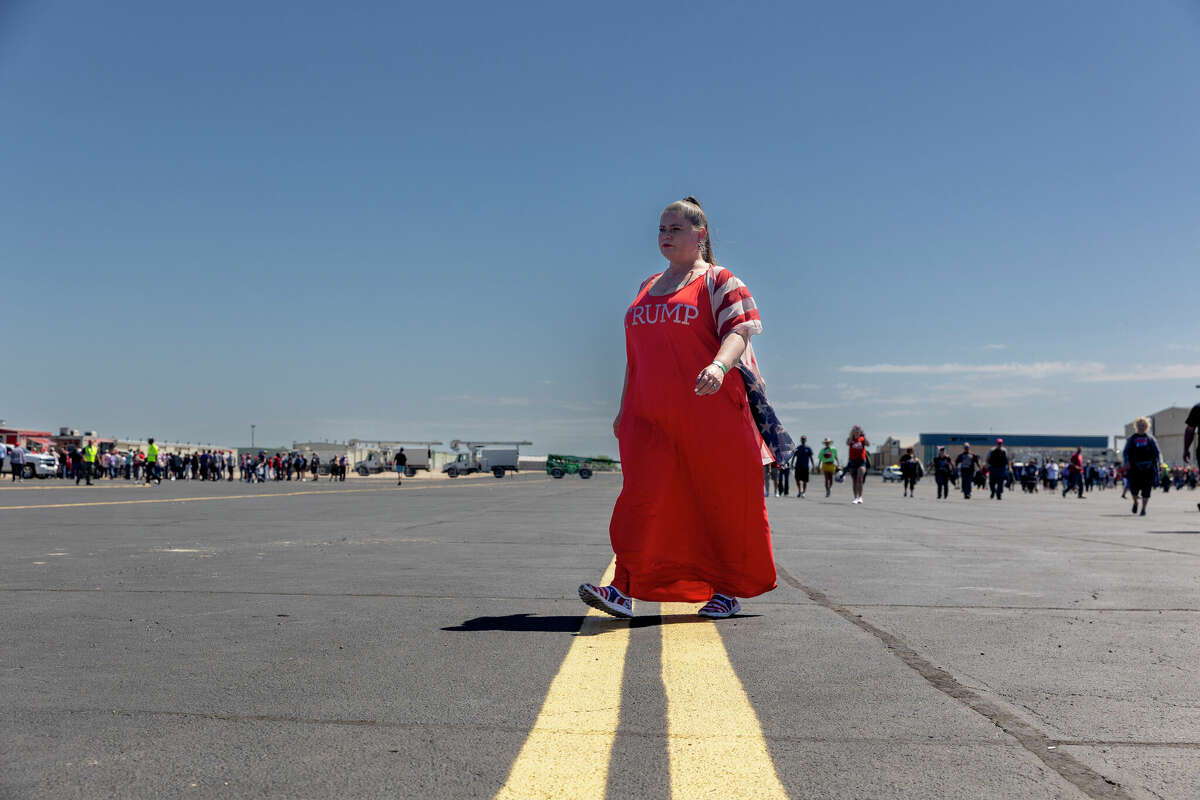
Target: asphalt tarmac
[358,640]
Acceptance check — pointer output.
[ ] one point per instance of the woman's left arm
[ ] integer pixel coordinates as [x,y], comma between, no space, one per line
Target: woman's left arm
[711,377]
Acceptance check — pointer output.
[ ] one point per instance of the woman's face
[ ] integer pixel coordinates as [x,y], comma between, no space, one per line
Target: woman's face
[677,239]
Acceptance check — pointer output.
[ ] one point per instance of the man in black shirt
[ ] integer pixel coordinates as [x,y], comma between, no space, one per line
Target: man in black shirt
[400,462]
[942,467]
[804,460]
[998,469]
[968,462]
[1189,432]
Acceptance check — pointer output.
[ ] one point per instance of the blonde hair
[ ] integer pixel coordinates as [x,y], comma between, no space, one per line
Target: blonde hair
[690,208]
[1142,422]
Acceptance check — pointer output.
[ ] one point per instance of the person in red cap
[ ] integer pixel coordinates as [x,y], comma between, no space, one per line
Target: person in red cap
[997,469]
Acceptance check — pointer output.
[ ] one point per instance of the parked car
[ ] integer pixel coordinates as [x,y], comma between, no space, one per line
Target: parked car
[37,465]
[892,473]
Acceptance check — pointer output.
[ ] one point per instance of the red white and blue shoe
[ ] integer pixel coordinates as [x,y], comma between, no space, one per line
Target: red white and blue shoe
[720,607]
[608,599]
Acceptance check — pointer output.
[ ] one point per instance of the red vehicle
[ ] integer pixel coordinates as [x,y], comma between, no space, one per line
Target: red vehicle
[33,441]
[38,461]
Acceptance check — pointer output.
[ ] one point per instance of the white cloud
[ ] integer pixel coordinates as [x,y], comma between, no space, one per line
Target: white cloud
[800,405]
[995,347]
[1164,372]
[805,387]
[1082,371]
[1037,369]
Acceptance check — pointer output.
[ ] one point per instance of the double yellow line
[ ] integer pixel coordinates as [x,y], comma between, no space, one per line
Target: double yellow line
[715,744]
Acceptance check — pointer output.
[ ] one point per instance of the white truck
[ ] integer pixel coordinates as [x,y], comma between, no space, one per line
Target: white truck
[37,465]
[494,457]
[418,455]
[373,464]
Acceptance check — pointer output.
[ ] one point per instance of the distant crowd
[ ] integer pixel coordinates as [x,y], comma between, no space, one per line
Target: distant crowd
[1141,470]
[87,463]
[289,466]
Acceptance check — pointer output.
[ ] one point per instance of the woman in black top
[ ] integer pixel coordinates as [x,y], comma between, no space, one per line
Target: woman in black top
[910,471]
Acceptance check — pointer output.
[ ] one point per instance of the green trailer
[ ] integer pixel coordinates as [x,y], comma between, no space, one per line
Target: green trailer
[557,466]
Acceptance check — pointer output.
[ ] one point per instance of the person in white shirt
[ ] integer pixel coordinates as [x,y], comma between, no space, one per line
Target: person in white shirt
[16,460]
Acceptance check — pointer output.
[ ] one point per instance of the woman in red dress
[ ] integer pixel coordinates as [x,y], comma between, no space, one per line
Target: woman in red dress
[690,524]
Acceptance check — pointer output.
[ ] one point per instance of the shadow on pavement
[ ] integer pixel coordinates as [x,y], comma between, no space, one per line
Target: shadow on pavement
[571,624]
[520,622]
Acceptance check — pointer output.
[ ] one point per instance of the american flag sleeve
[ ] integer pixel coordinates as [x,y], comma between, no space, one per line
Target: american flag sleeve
[733,305]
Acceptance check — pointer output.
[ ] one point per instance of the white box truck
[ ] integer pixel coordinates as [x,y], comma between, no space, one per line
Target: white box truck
[415,458]
[499,458]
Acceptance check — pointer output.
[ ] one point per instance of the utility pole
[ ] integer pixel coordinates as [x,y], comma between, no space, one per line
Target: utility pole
[251,436]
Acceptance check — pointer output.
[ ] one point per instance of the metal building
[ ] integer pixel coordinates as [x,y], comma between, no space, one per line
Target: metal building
[1166,427]
[1020,446]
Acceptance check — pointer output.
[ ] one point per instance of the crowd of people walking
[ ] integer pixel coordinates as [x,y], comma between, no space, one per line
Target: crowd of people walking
[777,476]
[1141,470]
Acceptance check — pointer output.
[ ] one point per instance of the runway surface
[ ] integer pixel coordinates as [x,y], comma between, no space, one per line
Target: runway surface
[359,640]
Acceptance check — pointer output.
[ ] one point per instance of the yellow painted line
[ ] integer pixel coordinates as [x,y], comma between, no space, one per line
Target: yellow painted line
[57,486]
[61,485]
[567,753]
[392,489]
[715,744]
[184,499]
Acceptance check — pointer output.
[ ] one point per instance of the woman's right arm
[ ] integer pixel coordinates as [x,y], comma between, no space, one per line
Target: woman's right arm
[621,405]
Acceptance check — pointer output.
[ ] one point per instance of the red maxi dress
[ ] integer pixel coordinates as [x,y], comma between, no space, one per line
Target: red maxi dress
[691,519]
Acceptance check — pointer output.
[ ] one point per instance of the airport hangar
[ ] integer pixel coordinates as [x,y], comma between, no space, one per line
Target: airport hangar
[1020,446]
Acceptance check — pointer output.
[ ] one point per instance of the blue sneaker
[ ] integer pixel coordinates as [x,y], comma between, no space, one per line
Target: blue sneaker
[720,607]
[608,599]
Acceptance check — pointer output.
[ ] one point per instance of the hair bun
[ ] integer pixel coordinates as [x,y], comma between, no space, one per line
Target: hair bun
[691,199]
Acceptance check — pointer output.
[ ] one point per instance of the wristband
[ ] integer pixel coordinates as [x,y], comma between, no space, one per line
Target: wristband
[724,369]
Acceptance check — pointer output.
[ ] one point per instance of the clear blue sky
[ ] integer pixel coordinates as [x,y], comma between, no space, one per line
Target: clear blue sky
[411,221]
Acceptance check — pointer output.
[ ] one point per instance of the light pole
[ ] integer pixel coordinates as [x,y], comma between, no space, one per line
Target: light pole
[252,436]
